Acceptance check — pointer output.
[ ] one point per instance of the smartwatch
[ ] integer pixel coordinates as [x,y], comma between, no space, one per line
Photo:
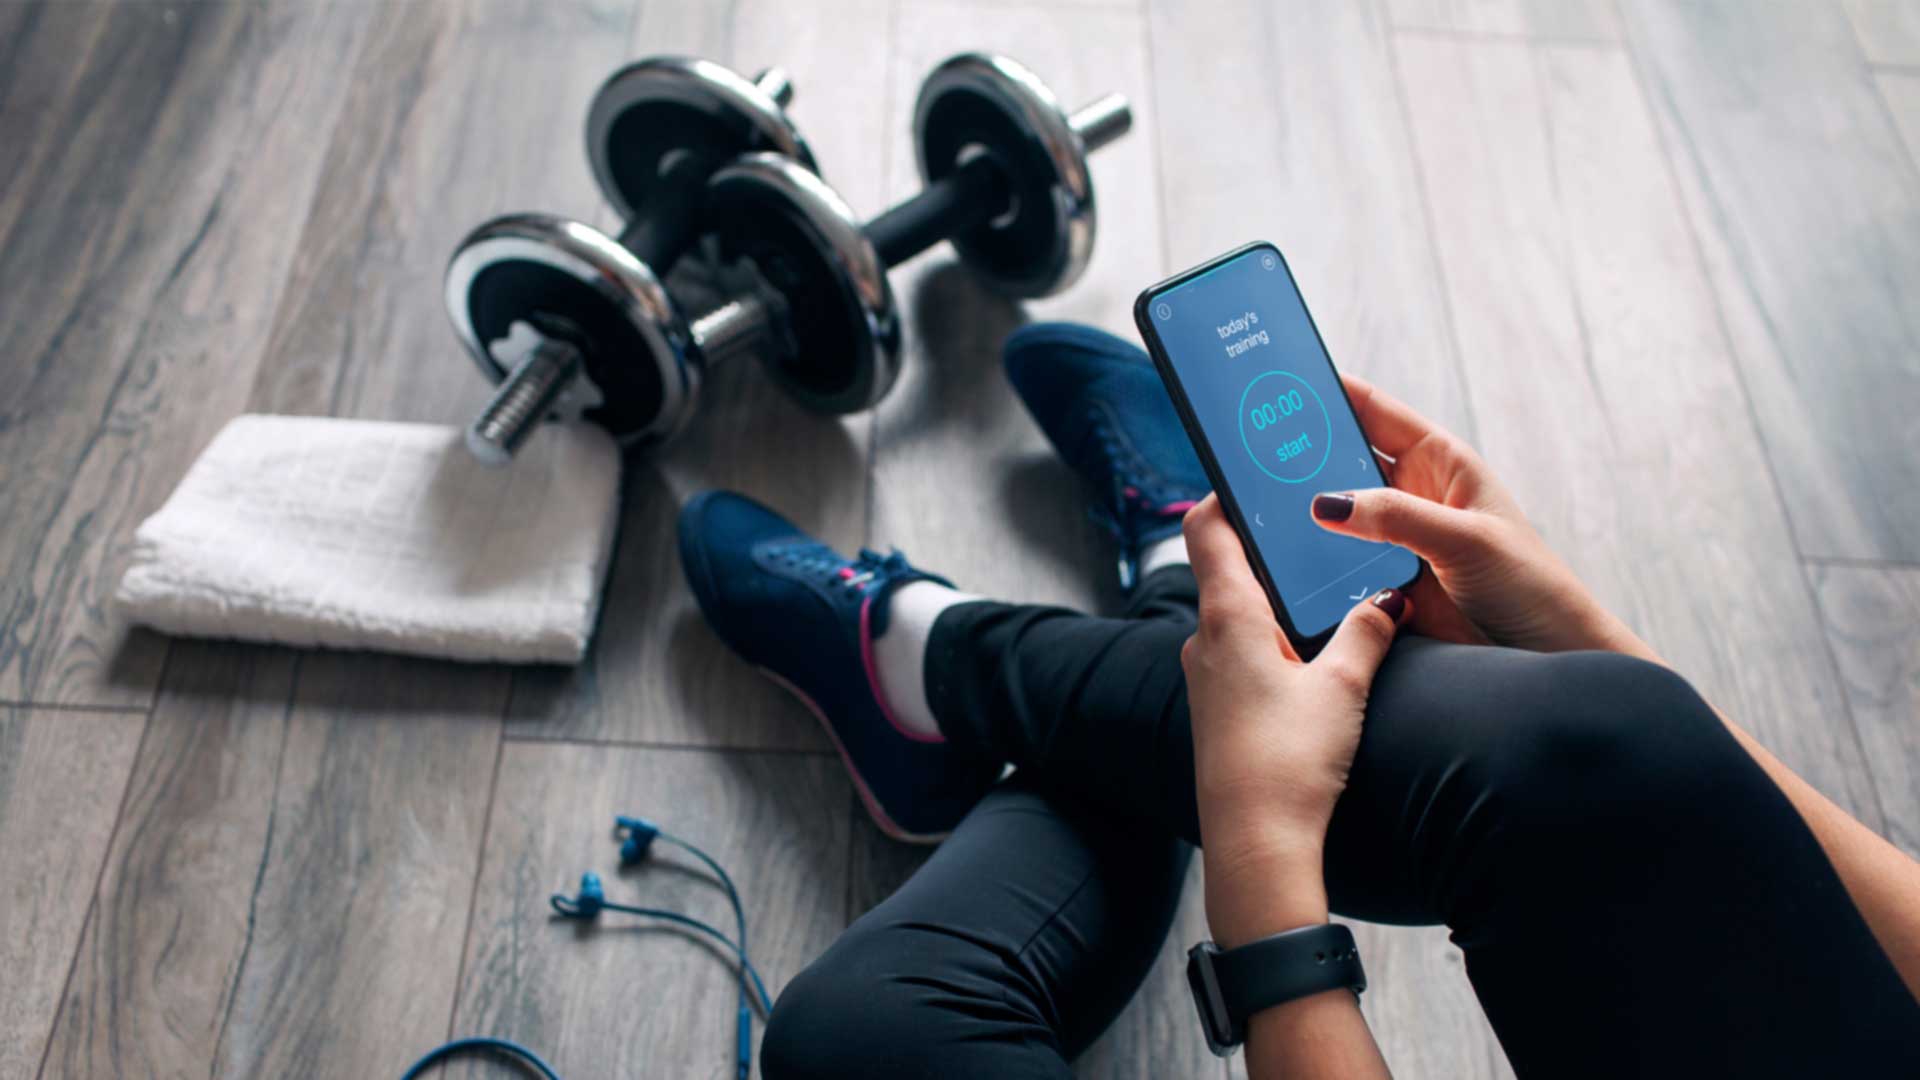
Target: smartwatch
[1230,985]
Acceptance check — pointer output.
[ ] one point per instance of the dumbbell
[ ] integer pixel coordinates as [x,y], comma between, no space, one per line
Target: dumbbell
[1007,184]
[582,317]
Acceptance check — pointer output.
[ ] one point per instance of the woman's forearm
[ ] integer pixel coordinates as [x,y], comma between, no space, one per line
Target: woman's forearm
[1319,1036]
[1882,880]
[1323,1035]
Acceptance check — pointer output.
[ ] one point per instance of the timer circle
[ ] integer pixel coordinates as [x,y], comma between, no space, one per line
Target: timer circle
[1285,427]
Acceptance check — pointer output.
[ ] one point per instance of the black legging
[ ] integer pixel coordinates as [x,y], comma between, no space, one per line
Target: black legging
[1634,896]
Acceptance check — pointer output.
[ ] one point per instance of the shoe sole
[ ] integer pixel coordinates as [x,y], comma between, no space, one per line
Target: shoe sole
[885,823]
[693,559]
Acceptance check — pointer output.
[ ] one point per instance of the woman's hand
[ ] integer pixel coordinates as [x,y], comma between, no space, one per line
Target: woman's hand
[1273,738]
[1493,578]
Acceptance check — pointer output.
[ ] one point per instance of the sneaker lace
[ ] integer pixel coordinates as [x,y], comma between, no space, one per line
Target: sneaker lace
[1134,502]
[1129,498]
[853,575]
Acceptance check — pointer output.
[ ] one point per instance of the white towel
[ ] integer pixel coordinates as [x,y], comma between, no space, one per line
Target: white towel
[358,534]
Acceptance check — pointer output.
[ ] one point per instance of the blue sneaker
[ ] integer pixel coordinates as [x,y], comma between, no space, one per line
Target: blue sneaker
[1103,407]
[806,617]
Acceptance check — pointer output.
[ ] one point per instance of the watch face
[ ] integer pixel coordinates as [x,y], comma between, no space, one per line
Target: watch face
[1214,1021]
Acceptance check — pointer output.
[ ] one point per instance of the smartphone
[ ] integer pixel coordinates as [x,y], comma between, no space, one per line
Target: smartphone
[1253,383]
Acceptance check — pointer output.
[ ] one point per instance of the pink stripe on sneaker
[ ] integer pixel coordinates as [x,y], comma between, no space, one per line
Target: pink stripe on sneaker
[1179,507]
[873,677]
[867,798]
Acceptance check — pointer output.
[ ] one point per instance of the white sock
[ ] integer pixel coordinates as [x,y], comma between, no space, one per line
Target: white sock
[1163,553]
[900,654]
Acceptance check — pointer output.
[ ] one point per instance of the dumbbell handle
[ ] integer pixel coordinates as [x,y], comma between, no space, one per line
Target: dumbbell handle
[738,327]
[977,191]
[664,229]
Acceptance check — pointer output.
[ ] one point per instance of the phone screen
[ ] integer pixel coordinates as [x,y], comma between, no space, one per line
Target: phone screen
[1251,373]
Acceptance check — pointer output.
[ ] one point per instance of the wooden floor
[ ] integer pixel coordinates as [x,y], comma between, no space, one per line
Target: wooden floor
[1659,260]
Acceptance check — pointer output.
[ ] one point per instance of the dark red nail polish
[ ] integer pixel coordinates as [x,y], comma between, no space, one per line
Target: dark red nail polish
[1391,601]
[1337,506]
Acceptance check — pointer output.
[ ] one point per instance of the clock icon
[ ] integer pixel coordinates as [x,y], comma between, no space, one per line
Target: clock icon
[1285,427]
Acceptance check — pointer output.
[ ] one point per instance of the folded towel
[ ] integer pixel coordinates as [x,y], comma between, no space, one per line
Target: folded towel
[358,534]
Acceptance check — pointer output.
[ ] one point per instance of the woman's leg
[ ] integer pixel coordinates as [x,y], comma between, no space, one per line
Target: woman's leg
[1005,955]
[1633,894]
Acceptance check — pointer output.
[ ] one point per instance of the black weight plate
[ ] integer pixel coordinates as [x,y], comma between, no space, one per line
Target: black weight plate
[832,366]
[520,290]
[646,132]
[1024,254]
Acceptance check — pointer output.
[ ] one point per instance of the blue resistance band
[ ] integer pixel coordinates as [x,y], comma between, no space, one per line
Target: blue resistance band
[637,836]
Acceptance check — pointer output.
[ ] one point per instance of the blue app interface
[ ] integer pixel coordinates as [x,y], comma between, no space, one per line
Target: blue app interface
[1265,393]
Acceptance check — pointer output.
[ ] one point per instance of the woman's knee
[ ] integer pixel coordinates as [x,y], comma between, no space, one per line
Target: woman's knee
[888,1000]
[823,1026]
[1605,739]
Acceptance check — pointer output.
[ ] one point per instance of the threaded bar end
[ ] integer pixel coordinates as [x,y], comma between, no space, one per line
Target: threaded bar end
[522,400]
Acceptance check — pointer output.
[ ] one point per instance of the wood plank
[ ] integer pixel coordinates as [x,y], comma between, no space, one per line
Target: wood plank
[1420,1006]
[168,155]
[1559,20]
[168,939]
[1872,620]
[1301,138]
[461,112]
[1888,30]
[61,778]
[1590,333]
[657,673]
[952,424]
[1802,177]
[1901,92]
[361,898]
[1155,1036]
[776,821]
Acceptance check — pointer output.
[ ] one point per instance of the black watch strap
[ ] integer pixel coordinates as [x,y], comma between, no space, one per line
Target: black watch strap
[1230,985]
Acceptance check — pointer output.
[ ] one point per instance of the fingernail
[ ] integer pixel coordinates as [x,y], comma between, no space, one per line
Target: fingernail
[1391,601]
[1336,506]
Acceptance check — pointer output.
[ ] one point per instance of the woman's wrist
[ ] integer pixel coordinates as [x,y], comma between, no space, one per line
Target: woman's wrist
[1250,899]
[1607,633]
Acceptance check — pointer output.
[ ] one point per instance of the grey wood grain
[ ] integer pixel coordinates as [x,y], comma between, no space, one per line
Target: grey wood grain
[1300,138]
[1156,1035]
[164,949]
[458,112]
[1560,20]
[1888,30]
[1872,620]
[159,163]
[360,898]
[1589,330]
[61,777]
[625,997]
[963,480]
[1803,177]
[1901,92]
[657,673]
